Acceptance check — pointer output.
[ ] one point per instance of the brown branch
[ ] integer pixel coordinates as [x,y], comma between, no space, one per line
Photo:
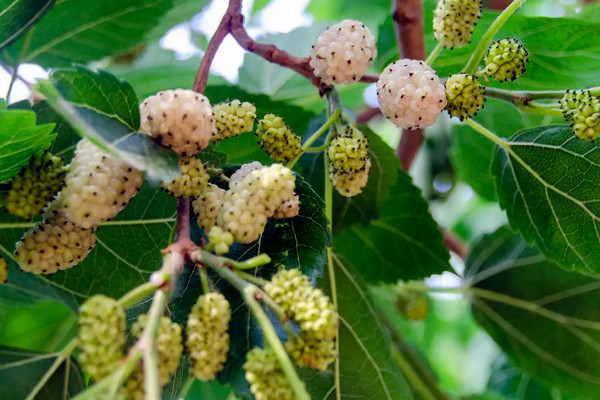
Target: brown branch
[367,115]
[454,244]
[408,15]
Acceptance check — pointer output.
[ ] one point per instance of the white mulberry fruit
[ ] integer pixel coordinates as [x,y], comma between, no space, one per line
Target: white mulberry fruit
[207,205]
[352,184]
[54,244]
[277,139]
[265,376]
[582,111]
[410,94]
[180,119]
[308,306]
[193,179]
[244,170]
[97,186]
[288,209]
[454,20]
[506,59]
[220,239]
[343,52]
[465,96]
[101,335]
[35,186]
[232,119]
[207,335]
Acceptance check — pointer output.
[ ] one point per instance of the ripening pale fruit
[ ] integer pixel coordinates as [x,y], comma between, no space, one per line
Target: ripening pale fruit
[277,139]
[232,119]
[351,184]
[310,352]
[244,170]
[207,335]
[582,111]
[349,162]
[180,119]
[410,94]
[101,335]
[265,377]
[35,186]
[288,209]
[193,179]
[506,59]
[97,186]
[343,52]
[454,20]
[220,240]
[465,96]
[207,206]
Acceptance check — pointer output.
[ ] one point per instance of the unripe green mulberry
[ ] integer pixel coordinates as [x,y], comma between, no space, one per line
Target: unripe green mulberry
[412,305]
[169,348]
[351,184]
[54,244]
[265,377]
[193,179]
[506,59]
[101,335]
[308,306]
[465,96]
[349,151]
[454,20]
[35,186]
[277,139]
[220,240]
[3,270]
[207,205]
[207,335]
[311,352]
[582,111]
[232,119]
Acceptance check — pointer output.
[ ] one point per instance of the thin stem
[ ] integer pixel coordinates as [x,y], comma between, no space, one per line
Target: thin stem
[251,278]
[536,109]
[183,220]
[487,133]
[60,358]
[317,149]
[411,376]
[434,54]
[13,78]
[471,66]
[271,337]
[146,343]
[332,119]
[137,294]
[251,263]
[204,279]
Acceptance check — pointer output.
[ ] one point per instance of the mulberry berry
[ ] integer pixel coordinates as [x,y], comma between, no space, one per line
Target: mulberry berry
[220,239]
[232,119]
[244,170]
[351,184]
[207,336]
[98,186]
[207,205]
[277,139]
[54,244]
[306,305]
[193,179]
[582,111]
[348,152]
[265,377]
[506,59]
[343,53]
[181,120]
[465,96]
[454,20]
[101,335]
[288,209]
[3,270]
[410,94]
[311,352]
[35,186]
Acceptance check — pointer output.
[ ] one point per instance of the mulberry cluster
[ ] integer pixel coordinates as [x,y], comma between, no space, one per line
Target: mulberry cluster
[506,59]
[101,335]
[289,208]
[169,348]
[251,200]
[3,270]
[454,20]
[207,335]
[244,170]
[35,186]
[193,179]
[265,376]
[220,239]
[343,53]
[310,352]
[232,119]
[582,111]
[277,139]
[207,205]
[98,186]
[465,96]
[181,120]
[306,305]
[410,94]
[54,244]
[349,162]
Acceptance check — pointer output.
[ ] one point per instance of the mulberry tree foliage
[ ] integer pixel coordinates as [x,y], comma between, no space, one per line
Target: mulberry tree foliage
[168,233]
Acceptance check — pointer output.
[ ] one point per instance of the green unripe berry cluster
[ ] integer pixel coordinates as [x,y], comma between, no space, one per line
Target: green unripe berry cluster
[35,186]
[454,20]
[582,111]
[101,335]
[232,119]
[193,179]
[465,96]
[207,335]
[349,162]
[506,59]
[310,352]
[277,139]
[265,376]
